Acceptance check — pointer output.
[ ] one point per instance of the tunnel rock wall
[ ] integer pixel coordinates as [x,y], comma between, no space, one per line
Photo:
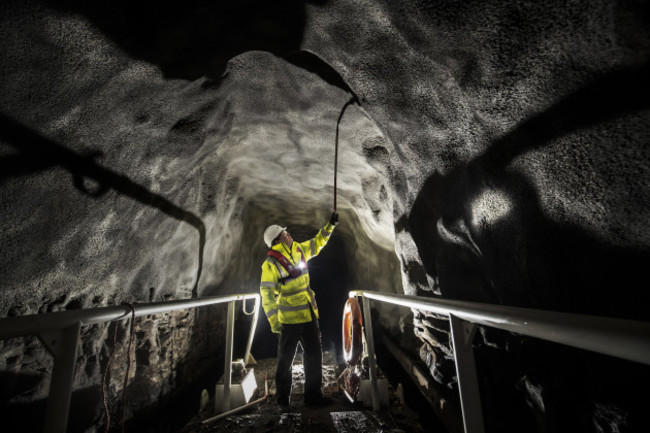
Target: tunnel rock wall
[122,185]
[518,132]
[519,164]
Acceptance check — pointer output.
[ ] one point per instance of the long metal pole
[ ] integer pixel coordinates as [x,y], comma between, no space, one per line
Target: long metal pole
[462,334]
[227,368]
[235,410]
[64,351]
[626,339]
[372,360]
[11,327]
[251,335]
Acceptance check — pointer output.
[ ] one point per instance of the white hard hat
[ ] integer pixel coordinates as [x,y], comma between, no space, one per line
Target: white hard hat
[271,233]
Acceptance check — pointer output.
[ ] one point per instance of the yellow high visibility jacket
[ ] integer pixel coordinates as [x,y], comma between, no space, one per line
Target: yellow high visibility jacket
[286,299]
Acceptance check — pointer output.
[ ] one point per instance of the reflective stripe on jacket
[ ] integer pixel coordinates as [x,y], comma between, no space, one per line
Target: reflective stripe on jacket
[285,299]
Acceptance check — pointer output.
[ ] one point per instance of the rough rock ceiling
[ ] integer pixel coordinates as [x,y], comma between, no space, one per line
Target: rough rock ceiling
[496,151]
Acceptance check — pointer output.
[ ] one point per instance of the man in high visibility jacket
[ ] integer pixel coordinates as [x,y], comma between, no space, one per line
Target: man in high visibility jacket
[290,306]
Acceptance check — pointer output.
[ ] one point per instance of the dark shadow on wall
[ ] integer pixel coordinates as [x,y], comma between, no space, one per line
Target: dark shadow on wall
[607,97]
[39,153]
[527,259]
[195,38]
[30,417]
[199,369]
[529,385]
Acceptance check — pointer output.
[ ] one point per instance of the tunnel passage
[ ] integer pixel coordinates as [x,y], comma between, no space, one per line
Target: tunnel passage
[353,259]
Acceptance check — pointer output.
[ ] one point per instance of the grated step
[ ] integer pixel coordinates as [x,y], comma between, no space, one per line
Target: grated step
[258,423]
[363,422]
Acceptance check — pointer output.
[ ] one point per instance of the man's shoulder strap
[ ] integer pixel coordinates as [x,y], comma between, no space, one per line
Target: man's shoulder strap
[286,264]
[280,258]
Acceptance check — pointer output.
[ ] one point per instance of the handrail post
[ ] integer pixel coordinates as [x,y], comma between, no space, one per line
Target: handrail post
[372,360]
[251,335]
[462,333]
[227,370]
[63,347]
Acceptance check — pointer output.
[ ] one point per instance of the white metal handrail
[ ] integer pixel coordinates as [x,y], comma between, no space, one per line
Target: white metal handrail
[626,339]
[59,332]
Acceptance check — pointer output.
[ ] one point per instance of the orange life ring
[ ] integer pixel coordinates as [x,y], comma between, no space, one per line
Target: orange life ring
[352,325]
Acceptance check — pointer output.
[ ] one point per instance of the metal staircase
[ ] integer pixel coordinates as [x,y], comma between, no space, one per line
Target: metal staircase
[342,416]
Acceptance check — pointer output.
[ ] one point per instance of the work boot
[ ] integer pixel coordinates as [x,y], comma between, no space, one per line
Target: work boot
[283,402]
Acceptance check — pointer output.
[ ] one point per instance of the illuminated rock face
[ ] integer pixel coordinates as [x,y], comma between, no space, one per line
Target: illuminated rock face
[496,153]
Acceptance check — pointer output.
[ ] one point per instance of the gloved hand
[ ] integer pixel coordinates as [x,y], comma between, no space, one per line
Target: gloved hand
[334,219]
[277,329]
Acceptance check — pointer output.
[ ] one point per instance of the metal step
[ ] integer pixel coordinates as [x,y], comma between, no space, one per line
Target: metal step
[341,416]
[363,421]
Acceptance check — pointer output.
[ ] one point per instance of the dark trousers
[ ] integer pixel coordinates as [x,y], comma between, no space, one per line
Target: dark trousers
[308,334]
